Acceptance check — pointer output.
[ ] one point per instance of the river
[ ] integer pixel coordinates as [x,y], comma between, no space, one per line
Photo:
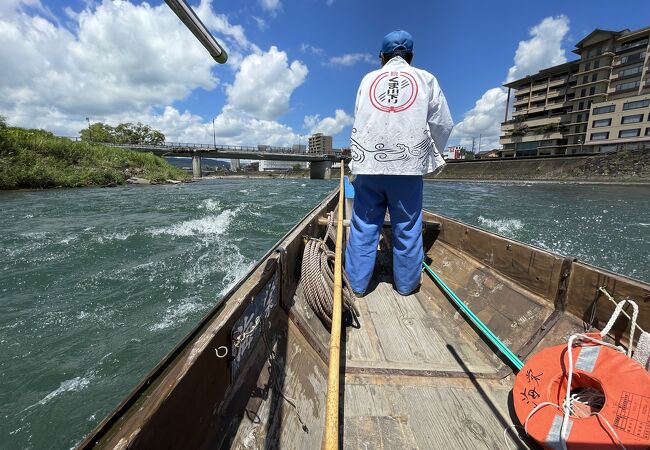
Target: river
[96,285]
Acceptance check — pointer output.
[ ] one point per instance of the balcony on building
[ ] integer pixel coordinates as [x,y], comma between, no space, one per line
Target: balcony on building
[629,46]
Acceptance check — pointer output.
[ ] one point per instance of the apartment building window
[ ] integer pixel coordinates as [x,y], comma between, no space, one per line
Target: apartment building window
[594,77]
[579,118]
[599,136]
[581,106]
[632,119]
[592,90]
[647,131]
[636,104]
[601,123]
[589,104]
[597,64]
[631,58]
[605,109]
[629,133]
[587,66]
[629,72]
[627,86]
[583,92]
[585,79]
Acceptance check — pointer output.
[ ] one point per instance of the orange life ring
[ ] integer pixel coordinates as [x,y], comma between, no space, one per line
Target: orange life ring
[625,384]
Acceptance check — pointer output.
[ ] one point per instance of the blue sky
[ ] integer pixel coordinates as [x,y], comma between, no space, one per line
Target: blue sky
[295,64]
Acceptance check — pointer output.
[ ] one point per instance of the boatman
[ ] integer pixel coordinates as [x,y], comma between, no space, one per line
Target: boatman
[401,124]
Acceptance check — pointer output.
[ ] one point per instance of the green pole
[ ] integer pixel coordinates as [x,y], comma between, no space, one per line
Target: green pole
[503,348]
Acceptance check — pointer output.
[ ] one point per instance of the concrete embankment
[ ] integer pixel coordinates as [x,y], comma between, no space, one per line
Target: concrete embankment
[625,166]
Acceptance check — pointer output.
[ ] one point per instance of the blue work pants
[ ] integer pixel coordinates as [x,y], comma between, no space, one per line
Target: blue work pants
[402,195]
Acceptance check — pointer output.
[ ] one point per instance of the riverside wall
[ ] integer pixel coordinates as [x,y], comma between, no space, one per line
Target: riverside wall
[625,166]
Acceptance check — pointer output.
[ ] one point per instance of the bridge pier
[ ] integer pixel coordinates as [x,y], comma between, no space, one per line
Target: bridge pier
[320,170]
[196,167]
[234,165]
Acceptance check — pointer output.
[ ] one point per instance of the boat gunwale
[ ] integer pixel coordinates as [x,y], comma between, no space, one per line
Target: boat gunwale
[100,430]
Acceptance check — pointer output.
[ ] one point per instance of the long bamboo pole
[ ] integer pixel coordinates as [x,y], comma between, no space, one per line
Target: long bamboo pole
[331,436]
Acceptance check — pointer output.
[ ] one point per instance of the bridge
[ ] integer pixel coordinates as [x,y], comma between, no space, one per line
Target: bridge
[320,163]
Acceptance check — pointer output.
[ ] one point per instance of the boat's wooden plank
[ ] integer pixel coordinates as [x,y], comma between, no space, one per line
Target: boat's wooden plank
[378,432]
[309,324]
[407,332]
[535,269]
[583,292]
[294,418]
[511,312]
[425,413]
[451,417]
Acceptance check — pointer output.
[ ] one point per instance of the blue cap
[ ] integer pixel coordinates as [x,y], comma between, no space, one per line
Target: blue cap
[397,40]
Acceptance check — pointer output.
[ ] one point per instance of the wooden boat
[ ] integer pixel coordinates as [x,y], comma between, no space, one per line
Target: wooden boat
[414,373]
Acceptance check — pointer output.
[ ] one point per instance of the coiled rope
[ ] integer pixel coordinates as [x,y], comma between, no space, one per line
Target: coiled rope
[317,277]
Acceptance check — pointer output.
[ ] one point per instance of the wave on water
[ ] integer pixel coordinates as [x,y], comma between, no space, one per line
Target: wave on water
[210,205]
[503,226]
[206,226]
[73,385]
[177,314]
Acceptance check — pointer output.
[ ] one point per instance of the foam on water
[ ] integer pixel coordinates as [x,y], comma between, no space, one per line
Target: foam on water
[75,384]
[206,226]
[503,226]
[177,314]
[210,205]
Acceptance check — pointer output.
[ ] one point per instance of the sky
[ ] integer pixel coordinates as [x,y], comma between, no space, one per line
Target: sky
[294,65]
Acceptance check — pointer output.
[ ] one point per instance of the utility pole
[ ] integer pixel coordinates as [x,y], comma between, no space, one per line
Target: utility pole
[480,138]
[214,134]
[473,139]
[90,133]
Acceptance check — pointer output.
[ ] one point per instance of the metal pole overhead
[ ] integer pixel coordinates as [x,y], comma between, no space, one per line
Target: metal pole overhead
[192,21]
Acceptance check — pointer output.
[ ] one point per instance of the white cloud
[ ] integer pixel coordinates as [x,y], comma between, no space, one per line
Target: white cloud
[350,59]
[543,49]
[272,6]
[304,48]
[261,23]
[122,57]
[121,62]
[329,125]
[264,84]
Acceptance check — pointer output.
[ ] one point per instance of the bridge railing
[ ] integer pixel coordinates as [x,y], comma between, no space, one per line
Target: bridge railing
[190,147]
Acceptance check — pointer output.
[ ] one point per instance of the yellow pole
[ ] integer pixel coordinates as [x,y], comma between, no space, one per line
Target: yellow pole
[331,437]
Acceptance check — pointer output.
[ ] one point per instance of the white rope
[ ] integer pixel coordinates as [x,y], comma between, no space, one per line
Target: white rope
[635,314]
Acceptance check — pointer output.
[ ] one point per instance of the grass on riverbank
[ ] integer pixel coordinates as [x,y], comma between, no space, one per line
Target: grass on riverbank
[37,159]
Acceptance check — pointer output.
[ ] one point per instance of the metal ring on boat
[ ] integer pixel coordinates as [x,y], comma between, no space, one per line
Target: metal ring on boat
[624,382]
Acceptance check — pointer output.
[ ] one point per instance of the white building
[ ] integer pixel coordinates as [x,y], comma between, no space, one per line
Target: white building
[453,152]
[269,166]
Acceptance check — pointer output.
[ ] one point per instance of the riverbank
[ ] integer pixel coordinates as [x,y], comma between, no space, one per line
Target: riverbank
[621,167]
[36,159]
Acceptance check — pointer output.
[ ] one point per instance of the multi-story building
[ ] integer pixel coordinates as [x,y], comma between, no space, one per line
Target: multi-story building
[598,103]
[453,152]
[319,143]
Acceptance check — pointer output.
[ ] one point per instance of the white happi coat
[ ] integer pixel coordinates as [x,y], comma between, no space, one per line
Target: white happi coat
[401,122]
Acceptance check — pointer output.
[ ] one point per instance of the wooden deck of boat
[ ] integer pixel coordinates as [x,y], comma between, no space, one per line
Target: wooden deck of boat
[416,377]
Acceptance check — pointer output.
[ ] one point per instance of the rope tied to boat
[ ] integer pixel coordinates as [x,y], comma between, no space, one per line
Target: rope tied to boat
[317,277]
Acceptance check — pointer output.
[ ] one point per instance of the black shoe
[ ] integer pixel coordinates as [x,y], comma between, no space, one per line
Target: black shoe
[414,291]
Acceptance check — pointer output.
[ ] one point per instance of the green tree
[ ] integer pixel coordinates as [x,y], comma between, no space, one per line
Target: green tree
[124,133]
[98,132]
[296,167]
[128,133]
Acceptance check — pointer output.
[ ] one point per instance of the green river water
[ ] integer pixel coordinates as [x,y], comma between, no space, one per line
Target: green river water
[96,285]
